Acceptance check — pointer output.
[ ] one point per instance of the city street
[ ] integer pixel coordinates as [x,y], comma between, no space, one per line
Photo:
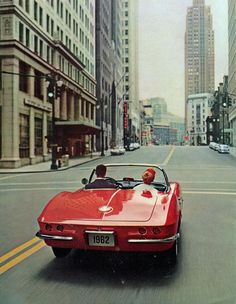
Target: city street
[206,269]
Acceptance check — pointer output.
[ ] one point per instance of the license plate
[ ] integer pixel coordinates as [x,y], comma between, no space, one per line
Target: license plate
[101,238]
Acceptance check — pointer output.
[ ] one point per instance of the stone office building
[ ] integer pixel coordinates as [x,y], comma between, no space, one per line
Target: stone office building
[39,38]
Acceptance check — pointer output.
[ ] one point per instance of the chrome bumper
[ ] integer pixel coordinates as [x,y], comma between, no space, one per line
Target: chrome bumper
[166,240]
[54,237]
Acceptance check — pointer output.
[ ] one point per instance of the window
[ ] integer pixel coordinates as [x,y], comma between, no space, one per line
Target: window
[38,130]
[23,81]
[36,44]
[48,24]
[24,136]
[41,48]
[38,89]
[87,109]
[27,8]
[41,16]
[35,11]
[27,37]
[21,32]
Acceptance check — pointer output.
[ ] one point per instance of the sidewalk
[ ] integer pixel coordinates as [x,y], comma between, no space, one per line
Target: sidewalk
[45,166]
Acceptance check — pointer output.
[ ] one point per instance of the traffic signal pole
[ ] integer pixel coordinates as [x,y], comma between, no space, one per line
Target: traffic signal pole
[51,94]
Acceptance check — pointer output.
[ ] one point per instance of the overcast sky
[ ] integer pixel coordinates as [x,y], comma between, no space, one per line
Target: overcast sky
[161,48]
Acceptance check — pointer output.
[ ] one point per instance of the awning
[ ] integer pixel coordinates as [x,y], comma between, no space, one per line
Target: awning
[74,127]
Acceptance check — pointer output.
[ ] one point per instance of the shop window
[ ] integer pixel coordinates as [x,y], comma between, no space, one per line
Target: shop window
[38,130]
[24,136]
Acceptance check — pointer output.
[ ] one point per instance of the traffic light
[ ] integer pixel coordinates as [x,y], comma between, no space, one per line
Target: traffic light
[229,102]
[50,88]
[224,102]
[58,91]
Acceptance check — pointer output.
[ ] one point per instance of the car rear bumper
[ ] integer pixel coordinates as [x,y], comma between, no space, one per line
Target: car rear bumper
[54,237]
[136,241]
[166,240]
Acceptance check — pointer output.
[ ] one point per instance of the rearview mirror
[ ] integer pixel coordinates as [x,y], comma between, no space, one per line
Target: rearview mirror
[84,181]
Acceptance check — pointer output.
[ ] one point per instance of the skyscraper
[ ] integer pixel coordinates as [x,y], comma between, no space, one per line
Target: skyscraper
[130,65]
[199,50]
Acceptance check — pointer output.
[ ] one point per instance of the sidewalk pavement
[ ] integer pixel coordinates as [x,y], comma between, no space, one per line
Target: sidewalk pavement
[45,166]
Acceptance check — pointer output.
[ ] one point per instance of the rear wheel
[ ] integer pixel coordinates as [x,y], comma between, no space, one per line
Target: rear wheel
[173,253]
[61,252]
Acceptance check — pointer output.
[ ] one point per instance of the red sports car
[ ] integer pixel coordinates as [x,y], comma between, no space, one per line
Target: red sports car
[116,219]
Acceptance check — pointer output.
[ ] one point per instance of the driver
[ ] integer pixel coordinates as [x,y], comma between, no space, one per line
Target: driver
[100,181]
[148,177]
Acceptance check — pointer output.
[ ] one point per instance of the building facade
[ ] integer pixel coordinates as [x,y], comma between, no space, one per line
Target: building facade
[130,67]
[40,38]
[232,69]
[198,109]
[199,51]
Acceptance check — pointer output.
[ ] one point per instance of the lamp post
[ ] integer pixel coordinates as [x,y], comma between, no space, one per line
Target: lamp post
[53,91]
[102,129]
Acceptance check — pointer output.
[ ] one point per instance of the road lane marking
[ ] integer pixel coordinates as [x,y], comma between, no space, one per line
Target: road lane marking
[21,257]
[168,157]
[208,192]
[38,189]
[18,249]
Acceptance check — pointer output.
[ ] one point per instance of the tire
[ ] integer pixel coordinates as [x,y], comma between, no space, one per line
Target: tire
[61,252]
[173,253]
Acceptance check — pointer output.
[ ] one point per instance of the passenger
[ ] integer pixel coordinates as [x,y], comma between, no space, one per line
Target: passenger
[148,177]
[100,181]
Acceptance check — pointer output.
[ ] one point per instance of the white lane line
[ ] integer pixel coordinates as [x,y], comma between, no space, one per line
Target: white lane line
[168,157]
[38,189]
[41,183]
[209,192]
[13,176]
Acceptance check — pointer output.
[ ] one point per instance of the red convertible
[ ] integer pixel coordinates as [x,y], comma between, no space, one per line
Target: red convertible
[116,219]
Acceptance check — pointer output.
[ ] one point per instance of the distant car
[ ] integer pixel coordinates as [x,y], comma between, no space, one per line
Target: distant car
[124,219]
[223,148]
[215,146]
[117,151]
[212,144]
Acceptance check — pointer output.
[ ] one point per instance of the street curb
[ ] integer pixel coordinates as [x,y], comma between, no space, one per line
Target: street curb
[53,171]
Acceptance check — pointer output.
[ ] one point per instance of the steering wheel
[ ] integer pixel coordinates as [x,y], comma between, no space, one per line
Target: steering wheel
[110,180]
[113,181]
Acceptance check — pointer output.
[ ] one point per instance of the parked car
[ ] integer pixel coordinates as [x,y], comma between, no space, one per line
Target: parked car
[212,144]
[118,151]
[124,219]
[223,148]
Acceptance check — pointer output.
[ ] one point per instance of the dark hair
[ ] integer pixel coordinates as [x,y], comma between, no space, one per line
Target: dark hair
[101,170]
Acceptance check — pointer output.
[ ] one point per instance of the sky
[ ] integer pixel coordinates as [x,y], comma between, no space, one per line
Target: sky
[161,48]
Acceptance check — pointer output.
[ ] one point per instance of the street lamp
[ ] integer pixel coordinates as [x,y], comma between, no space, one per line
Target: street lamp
[53,91]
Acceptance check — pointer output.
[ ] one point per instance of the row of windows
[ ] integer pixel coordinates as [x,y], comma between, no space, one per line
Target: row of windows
[44,51]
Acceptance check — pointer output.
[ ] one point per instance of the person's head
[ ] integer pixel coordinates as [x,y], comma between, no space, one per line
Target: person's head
[148,176]
[101,171]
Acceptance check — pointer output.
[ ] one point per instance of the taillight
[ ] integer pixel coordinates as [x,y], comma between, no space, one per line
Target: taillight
[60,227]
[142,230]
[156,230]
[48,227]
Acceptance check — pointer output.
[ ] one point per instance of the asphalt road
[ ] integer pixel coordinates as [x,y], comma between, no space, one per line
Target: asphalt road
[206,269]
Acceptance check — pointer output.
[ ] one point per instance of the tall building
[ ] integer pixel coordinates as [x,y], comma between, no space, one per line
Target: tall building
[130,67]
[39,38]
[199,50]
[108,72]
[232,68]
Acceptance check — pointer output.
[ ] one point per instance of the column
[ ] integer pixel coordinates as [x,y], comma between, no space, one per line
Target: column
[31,136]
[77,108]
[63,108]
[10,114]
[31,81]
[45,133]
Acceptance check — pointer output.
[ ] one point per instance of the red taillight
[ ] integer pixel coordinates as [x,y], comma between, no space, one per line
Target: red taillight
[60,227]
[48,227]
[156,230]
[142,230]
